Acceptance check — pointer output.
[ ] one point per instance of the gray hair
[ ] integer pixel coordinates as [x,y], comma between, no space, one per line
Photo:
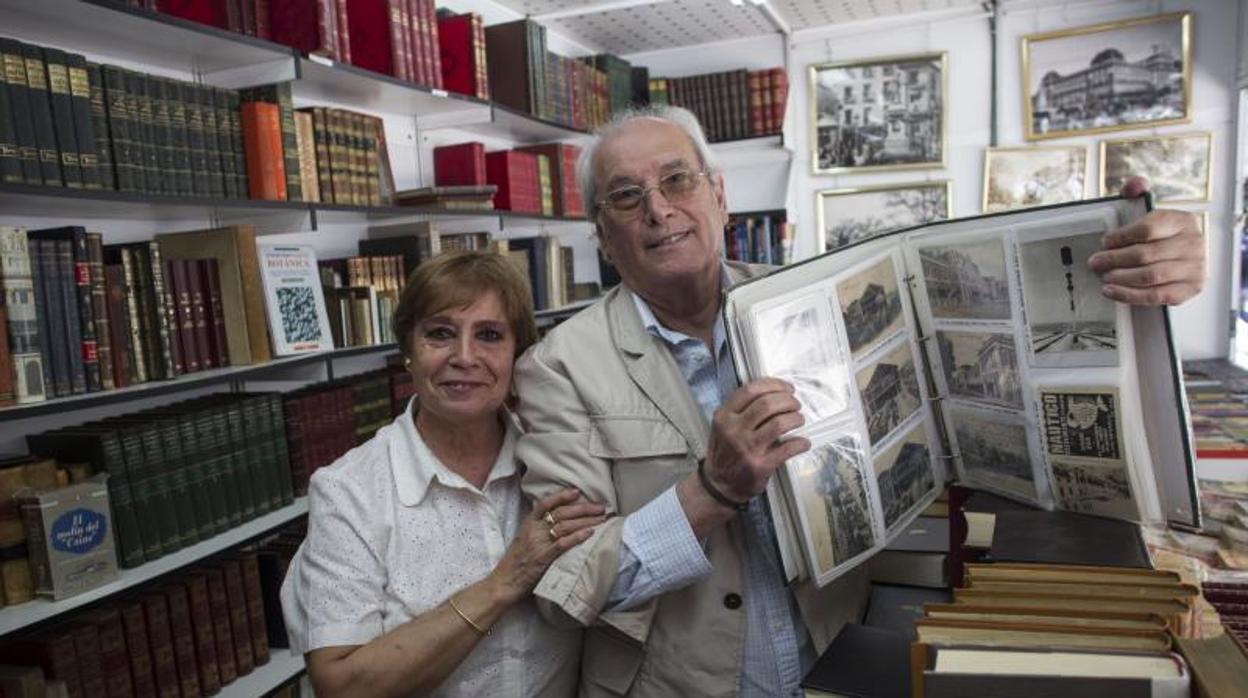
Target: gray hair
[679,116]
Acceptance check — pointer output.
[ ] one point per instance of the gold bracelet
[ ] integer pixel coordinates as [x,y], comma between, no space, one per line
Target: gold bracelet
[482,631]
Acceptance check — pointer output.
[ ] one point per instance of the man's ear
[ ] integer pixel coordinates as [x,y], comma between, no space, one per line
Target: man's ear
[602,243]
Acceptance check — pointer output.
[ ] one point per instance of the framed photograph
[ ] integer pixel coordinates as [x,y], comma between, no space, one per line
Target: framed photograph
[1022,177]
[847,216]
[1177,167]
[1108,77]
[878,114]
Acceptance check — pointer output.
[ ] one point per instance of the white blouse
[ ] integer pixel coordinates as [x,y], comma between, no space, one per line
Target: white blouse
[392,533]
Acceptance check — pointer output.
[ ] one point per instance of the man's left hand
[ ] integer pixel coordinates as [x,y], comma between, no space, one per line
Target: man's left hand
[1157,260]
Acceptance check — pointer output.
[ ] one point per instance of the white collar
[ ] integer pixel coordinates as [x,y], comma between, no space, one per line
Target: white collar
[415,466]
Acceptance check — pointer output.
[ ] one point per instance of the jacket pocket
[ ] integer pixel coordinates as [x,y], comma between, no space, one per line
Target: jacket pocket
[609,662]
[619,437]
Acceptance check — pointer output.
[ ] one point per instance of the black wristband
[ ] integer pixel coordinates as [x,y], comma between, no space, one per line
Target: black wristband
[716,494]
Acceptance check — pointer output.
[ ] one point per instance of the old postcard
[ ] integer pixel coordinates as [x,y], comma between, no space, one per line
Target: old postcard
[889,390]
[1070,321]
[981,366]
[870,305]
[994,452]
[832,495]
[797,341]
[903,474]
[1082,424]
[1089,488]
[967,280]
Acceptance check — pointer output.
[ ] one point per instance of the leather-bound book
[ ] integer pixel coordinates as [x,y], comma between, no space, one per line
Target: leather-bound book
[134,622]
[217,601]
[114,660]
[311,26]
[205,641]
[14,77]
[262,140]
[90,666]
[183,634]
[61,100]
[118,325]
[160,641]
[178,293]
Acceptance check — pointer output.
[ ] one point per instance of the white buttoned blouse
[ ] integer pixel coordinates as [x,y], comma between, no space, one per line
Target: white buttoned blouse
[392,532]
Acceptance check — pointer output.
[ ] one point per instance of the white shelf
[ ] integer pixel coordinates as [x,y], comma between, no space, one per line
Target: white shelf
[281,667]
[13,618]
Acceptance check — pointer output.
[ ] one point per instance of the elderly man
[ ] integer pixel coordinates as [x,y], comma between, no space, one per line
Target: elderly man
[635,402]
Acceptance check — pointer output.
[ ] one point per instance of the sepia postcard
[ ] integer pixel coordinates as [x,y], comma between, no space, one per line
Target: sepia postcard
[1177,166]
[994,453]
[870,305]
[1037,176]
[981,366]
[834,503]
[889,390]
[904,474]
[967,280]
[1070,322]
[797,341]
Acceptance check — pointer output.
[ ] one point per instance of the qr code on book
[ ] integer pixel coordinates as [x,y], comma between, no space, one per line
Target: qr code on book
[297,307]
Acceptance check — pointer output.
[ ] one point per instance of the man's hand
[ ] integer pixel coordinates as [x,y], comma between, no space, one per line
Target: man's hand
[745,448]
[1157,260]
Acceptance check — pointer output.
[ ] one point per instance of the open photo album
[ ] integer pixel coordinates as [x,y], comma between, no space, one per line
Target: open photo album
[979,350]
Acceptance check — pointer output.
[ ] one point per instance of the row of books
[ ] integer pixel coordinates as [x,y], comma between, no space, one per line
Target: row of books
[67,122]
[188,635]
[530,179]
[343,157]
[759,238]
[81,316]
[730,104]
[361,294]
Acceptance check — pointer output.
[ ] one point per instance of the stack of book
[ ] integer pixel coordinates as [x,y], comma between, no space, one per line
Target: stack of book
[184,472]
[549,267]
[561,195]
[759,238]
[352,165]
[527,77]
[731,104]
[328,419]
[190,634]
[67,122]
[518,178]
[449,198]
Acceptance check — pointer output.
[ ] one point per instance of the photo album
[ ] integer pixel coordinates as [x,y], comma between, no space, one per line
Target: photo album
[978,350]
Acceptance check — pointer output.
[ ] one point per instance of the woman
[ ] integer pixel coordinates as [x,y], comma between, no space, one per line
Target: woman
[421,553]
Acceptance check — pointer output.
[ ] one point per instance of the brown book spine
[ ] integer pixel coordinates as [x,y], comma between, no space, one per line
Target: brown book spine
[134,623]
[113,655]
[205,640]
[191,302]
[255,608]
[305,138]
[100,310]
[184,282]
[118,324]
[134,292]
[54,652]
[221,624]
[183,640]
[177,338]
[90,668]
[160,640]
[210,287]
[240,629]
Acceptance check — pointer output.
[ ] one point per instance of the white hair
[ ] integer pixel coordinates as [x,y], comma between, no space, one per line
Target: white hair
[678,116]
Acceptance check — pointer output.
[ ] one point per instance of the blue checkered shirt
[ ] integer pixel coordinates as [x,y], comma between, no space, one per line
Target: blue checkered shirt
[661,554]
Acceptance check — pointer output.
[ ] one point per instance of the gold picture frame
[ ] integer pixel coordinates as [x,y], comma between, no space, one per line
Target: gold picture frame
[1149,97]
[903,214]
[1000,193]
[1169,169]
[883,140]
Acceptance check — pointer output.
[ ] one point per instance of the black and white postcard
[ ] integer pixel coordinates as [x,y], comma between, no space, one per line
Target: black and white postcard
[889,390]
[981,366]
[870,305]
[797,341]
[967,280]
[904,475]
[1070,322]
[834,502]
[1082,424]
[1089,488]
[994,452]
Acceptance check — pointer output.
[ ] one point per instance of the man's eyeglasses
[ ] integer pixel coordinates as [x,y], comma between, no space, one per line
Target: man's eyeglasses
[675,186]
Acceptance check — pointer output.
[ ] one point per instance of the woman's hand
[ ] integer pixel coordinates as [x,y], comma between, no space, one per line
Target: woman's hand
[557,523]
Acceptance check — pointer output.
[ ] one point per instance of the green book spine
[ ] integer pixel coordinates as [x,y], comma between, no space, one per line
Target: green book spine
[14,76]
[259,428]
[225,143]
[219,427]
[119,127]
[210,521]
[253,496]
[161,314]
[277,433]
[54,62]
[173,538]
[212,154]
[225,507]
[10,156]
[158,93]
[41,114]
[84,126]
[183,182]
[142,487]
[139,142]
[236,138]
[105,169]
[174,463]
[195,140]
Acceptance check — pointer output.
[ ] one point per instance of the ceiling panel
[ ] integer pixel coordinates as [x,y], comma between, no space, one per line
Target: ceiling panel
[672,23]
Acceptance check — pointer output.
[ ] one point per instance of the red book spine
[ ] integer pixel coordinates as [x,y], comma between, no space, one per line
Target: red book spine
[205,641]
[247,10]
[199,328]
[160,640]
[240,629]
[455,49]
[208,12]
[179,335]
[431,43]
[263,29]
[459,164]
[415,51]
[134,622]
[221,624]
[208,272]
[183,640]
[307,25]
[343,28]
[262,143]
[255,608]
[368,23]
[779,98]
[398,40]
[90,666]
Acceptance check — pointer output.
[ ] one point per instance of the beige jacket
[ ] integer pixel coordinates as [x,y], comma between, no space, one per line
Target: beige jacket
[605,409]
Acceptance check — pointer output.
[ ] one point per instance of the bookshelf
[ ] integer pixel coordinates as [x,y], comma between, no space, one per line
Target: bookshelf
[31,613]
[281,667]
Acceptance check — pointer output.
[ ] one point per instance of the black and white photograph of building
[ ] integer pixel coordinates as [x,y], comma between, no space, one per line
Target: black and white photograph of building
[1108,77]
[879,114]
[870,305]
[848,216]
[903,473]
[833,491]
[1071,322]
[994,453]
[1087,488]
[981,366]
[967,280]
[1177,167]
[889,390]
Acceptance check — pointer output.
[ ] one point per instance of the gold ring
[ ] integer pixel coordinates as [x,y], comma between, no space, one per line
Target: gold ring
[550,519]
[553,535]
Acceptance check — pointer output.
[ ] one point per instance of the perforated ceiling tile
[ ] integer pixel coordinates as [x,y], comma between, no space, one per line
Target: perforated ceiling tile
[804,14]
[662,25]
